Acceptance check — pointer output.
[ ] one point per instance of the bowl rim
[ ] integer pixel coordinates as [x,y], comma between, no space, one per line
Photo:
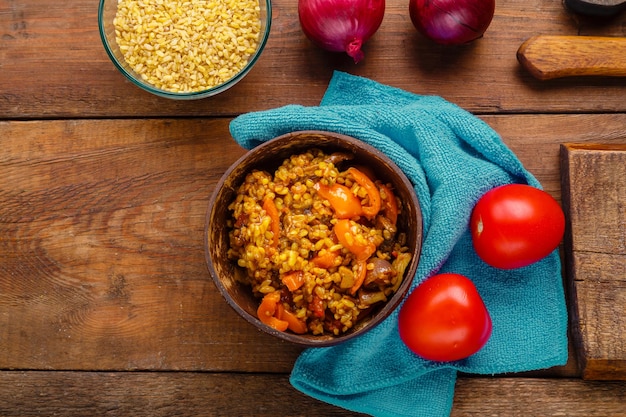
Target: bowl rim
[194,95]
[385,310]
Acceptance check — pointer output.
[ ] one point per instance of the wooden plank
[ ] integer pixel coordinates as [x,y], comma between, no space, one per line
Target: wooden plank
[101,241]
[156,394]
[594,195]
[538,397]
[53,65]
[102,263]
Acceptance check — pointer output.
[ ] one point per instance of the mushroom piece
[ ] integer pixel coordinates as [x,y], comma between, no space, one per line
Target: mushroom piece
[337,157]
[368,298]
[380,276]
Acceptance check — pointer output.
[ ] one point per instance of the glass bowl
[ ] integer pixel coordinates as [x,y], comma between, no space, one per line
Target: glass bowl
[268,156]
[106,15]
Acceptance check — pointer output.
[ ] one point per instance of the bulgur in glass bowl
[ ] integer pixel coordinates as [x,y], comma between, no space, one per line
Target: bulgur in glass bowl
[184,49]
[297,262]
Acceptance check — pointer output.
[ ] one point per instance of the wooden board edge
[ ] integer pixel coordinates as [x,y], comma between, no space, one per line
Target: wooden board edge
[570,271]
[590,368]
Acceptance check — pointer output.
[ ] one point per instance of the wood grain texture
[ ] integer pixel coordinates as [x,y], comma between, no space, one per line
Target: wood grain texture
[549,57]
[101,241]
[102,248]
[594,196]
[106,305]
[53,65]
[156,394]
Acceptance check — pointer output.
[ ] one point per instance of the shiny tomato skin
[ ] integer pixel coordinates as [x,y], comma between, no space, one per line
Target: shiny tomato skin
[516,225]
[444,319]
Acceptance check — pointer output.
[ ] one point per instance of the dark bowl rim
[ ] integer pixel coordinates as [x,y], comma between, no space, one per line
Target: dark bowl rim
[385,310]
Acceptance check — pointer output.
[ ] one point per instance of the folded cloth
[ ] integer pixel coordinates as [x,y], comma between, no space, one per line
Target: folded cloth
[451,158]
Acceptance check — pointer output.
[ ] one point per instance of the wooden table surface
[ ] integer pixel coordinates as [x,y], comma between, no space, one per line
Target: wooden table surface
[106,304]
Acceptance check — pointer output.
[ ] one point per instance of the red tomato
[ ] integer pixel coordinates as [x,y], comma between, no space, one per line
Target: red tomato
[516,225]
[444,319]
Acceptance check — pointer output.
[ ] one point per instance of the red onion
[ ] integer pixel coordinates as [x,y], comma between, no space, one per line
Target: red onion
[452,22]
[341,25]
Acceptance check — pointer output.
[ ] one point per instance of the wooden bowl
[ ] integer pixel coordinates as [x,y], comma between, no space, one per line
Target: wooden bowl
[269,156]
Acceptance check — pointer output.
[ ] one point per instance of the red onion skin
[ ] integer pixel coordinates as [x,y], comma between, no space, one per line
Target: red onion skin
[341,25]
[452,22]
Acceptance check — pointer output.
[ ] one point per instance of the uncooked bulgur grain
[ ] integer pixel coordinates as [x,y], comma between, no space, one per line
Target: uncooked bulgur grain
[187,46]
[309,278]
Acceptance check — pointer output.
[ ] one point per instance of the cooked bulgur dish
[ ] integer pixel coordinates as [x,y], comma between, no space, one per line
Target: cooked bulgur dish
[318,241]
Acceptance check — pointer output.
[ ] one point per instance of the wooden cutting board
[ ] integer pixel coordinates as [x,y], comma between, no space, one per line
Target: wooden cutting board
[594,199]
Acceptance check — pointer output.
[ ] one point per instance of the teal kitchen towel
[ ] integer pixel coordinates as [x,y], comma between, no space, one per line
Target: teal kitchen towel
[452,158]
